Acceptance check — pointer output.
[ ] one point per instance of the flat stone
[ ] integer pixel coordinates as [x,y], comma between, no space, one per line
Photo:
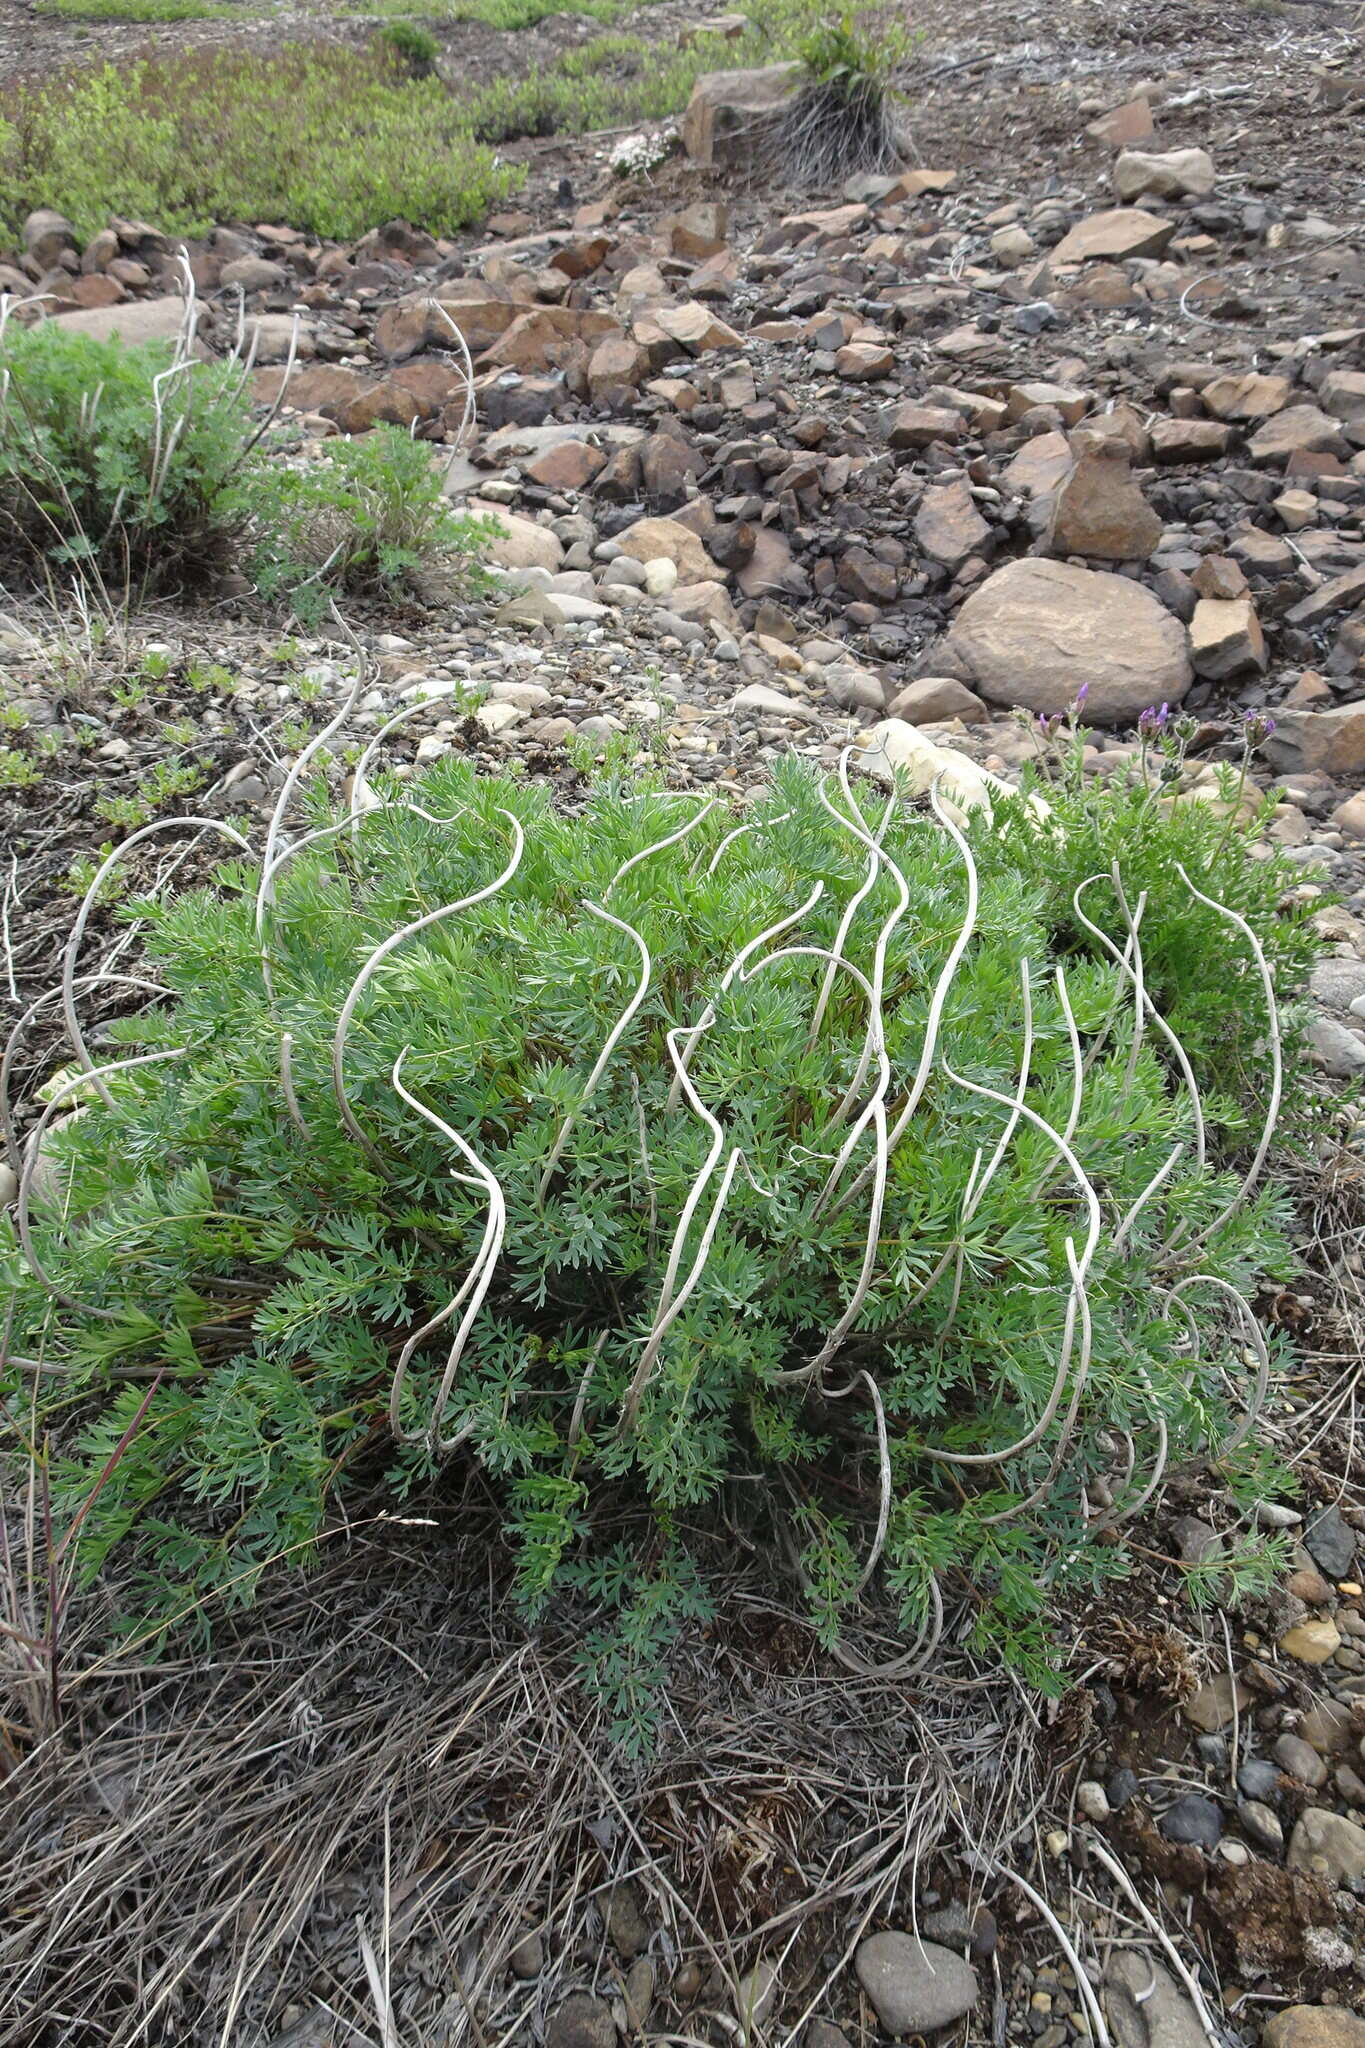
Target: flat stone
[1314,2026]
[1295,430]
[1189,440]
[1124,126]
[1036,630]
[1216,1703]
[582,2021]
[1146,2007]
[1167,174]
[1313,1642]
[948,527]
[919,426]
[1301,1760]
[931,700]
[1226,638]
[135,321]
[1193,1819]
[1329,741]
[1322,1839]
[521,544]
[1339,594]
[650,539]
[914,1986]
[1122,232]
[1328,1538]
[760,697]
[1249,397]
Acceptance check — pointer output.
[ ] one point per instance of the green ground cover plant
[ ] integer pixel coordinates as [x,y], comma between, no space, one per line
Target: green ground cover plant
[889,1194]
[145,10]
[335,141]
[141,470]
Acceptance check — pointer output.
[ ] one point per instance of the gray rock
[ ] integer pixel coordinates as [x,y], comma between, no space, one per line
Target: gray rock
[915,1986]
[755,1994]
[1338,983]
[1193,1819]
[1328,1842]
[1093,1800]
[1257,1779]
[1146,2007]
[820,2034]
[1314,2026]
[627,1929]
[1301,1761]
[1330,1541]
[582,2021]
[527,1959]
[1339,1051]
[1262,1826]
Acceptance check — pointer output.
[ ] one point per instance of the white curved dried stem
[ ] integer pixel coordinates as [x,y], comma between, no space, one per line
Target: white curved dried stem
[1098,2028]
[291,1100]
[1272,1113]
[1073,1115]
[1129,968]
[472,1293]
[860,895]
[314,746]
[1255,1337]
[88,901]
[875,1114]
[874,1038]
[684,1225]
[272,411]
[1126,1510]
[742,832]
[265,892]
[381,954]
[660,846]
[1080,1268]
[933,1021]
[19,1030]
[467,362]
[613,1039]
[33,1153]
[1067,1430]
[692,1033]
[912,1660]
[884,1479]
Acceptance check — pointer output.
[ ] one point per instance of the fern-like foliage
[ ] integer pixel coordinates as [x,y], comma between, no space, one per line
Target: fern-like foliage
[644,1173]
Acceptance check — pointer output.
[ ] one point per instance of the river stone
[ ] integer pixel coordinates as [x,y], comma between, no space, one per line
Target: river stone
[1329,1839]
[1331,1543]
[915,1986]
[1146,2007]
[1036,630]
[1314,2026]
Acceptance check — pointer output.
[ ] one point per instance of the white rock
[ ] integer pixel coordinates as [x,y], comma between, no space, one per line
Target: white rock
[661,577]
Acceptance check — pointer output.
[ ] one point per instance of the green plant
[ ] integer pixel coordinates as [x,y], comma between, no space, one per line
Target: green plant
[359,521]
[117,463]
[17,771]
[845,119]
[417,47]
[332,139]
[819,1165]
[142,10]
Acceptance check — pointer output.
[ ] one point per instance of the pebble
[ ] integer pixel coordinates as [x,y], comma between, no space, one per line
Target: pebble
[1193,1819]
[914,1986]
[1301,1760]
[1092,1800]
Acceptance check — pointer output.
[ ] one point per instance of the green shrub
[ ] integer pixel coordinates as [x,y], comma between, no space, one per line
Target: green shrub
[117,468]
[357,523]
[417,47]
[143,10]
[113,464]
[332,140]
[297,1258]
[845,119]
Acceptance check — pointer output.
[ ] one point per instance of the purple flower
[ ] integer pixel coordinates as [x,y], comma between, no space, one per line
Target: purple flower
[1152,721]
[1082,694]
[1257,726]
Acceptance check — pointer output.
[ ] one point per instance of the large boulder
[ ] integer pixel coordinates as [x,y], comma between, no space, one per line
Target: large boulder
[1036,630]
[733,115]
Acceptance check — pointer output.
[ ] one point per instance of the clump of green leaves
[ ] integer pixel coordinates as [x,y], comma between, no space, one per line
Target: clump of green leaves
[290,1244]
[417,46]
[360,522]
[331,139]
[113,465]
[845,120]
[143,477]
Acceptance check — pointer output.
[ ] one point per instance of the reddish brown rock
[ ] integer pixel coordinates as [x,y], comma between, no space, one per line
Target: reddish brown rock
[1189,440]
[1098,511]
[568,466]
[919,426]
[1226,638]
[1297,428]
[1122,232]
[733,114]
[948,527]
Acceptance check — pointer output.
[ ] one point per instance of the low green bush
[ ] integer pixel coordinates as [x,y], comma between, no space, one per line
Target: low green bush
[419,1175]
[144,10]
[141,472]
[417,46]
[114,464]
[358,523]
[333,140]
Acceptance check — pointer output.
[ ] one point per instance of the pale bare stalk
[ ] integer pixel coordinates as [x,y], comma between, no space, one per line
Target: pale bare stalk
[381,954]
[621,1025]
[88,901]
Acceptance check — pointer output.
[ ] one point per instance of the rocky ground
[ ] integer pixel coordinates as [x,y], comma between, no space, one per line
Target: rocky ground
[1076,399]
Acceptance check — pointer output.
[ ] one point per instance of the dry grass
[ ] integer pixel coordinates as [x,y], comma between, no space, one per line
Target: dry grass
[377,1785]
